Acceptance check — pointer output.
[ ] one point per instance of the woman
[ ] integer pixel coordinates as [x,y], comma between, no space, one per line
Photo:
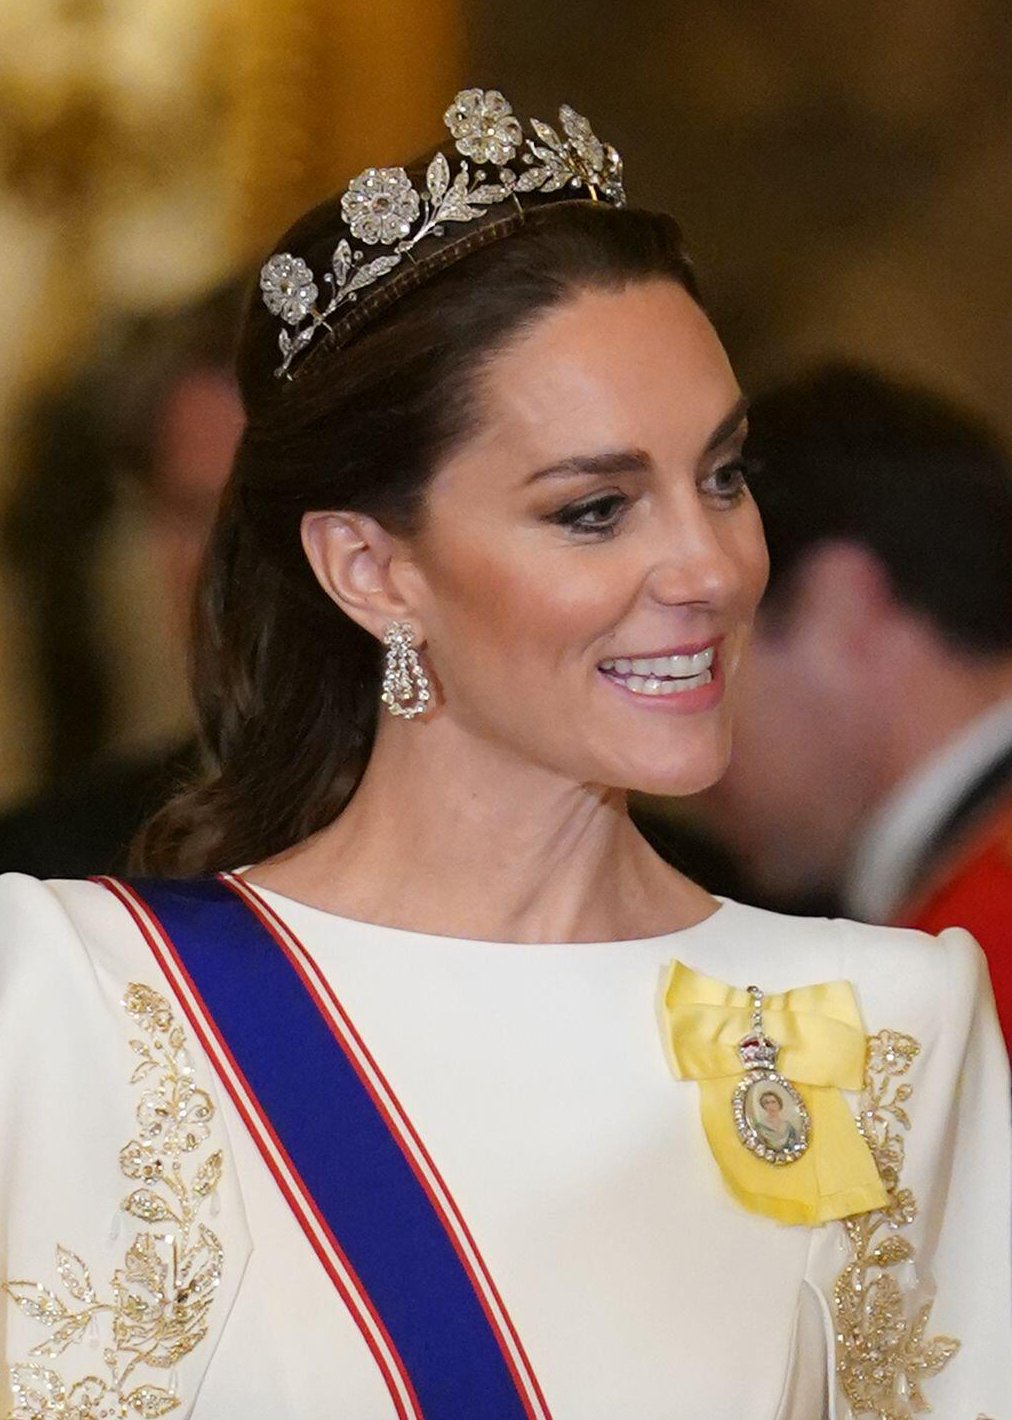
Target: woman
[439,1108]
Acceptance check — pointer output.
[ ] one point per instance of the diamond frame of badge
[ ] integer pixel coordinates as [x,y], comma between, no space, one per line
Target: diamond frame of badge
[385,211]
[759,1057]
[747,1130]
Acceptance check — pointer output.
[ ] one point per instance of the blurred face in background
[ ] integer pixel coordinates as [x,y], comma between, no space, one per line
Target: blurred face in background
[805,760]
[591,559]
[198,433]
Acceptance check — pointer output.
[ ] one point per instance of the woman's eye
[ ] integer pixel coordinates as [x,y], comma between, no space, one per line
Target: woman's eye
[729,483]
[592,515]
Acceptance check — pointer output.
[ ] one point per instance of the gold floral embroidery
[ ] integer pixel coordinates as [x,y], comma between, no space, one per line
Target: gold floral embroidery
[156,1309]
[883,1355]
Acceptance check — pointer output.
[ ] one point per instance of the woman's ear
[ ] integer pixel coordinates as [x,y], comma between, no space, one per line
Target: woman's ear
[359,565]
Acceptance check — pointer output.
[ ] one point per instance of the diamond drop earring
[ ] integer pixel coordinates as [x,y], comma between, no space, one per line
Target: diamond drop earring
[406,689]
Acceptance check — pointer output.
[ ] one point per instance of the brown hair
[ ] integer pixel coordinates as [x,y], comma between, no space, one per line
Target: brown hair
[286,685]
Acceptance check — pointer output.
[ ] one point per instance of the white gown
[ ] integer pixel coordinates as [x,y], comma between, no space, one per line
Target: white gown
[537,1078]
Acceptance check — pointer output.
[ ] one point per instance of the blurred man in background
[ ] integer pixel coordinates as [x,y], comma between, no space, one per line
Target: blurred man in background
[872,764]
[154,420]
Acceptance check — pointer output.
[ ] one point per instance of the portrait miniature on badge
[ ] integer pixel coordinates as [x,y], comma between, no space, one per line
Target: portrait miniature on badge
[773,1116]
[769,1114]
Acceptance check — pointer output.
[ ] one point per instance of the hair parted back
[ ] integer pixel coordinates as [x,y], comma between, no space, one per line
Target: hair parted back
[286,685]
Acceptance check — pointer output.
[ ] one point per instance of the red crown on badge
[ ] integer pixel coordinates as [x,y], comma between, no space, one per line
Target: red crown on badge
[758,1052]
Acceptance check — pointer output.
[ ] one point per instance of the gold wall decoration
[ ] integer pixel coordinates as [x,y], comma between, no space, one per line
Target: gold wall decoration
[322,90]
[102,109]
[149,148]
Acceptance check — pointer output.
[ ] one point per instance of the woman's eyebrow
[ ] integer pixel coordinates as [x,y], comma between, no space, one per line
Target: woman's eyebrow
[620,461]
[727,426]
[636,460]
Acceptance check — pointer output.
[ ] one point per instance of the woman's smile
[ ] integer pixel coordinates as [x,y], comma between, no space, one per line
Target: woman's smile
[666,673]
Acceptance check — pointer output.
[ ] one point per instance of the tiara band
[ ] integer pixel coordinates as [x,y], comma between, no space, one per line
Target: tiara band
[384,210]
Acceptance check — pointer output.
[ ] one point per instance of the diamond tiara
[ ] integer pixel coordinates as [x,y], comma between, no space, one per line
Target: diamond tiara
[384,210]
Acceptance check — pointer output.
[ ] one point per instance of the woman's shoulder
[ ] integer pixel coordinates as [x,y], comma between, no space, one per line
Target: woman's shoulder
[895,971]
[63,933]
[30,904]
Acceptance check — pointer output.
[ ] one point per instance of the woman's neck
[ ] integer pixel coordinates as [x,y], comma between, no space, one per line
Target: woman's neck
[469,842]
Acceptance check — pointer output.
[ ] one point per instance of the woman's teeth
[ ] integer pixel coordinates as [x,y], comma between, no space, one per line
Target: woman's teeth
[661,675]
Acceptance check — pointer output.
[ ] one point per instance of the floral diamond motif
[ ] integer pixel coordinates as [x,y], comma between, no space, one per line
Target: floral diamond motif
[380,206]
[288,286]
[383,208]
[484,126]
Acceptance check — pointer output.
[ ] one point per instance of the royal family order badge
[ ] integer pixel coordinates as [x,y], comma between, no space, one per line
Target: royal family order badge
[769,1114]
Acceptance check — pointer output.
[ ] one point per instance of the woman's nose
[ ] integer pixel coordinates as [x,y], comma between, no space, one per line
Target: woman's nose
[696,563]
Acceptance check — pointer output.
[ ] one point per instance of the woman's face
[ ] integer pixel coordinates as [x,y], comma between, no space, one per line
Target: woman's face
[591,560]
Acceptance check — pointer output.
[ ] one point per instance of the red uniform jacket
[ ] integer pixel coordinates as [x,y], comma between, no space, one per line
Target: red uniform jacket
[972,888]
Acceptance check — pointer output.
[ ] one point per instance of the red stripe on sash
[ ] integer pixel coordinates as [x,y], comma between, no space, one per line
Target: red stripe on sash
[320,1236]
[402,1129]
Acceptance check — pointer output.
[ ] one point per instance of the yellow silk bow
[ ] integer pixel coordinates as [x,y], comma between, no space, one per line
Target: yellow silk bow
[822,1051]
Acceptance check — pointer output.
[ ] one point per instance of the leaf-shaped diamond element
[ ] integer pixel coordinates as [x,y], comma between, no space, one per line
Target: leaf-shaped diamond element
[583,140]
[290,348]
[75,1275]
[340,262]
[372,271]
[437,178]
[463,212]
[488,194]
[547,134]
[555,180]
[531,179]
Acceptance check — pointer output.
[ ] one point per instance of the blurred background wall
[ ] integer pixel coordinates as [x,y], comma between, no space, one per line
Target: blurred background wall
[843,172]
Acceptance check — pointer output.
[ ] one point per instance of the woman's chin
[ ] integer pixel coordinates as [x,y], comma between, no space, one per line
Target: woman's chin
[677,782]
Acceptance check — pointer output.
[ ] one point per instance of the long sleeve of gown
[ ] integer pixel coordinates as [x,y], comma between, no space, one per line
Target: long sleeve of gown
[919,1295]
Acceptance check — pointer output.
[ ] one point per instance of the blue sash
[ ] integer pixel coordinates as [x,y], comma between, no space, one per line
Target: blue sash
[250,992]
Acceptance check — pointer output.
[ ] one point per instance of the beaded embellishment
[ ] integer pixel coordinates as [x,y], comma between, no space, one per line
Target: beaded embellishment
[884,1355]
[155,1309]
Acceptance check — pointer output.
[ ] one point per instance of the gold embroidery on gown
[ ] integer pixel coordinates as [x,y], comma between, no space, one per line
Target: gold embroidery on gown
[155,1308]
[884,1355]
